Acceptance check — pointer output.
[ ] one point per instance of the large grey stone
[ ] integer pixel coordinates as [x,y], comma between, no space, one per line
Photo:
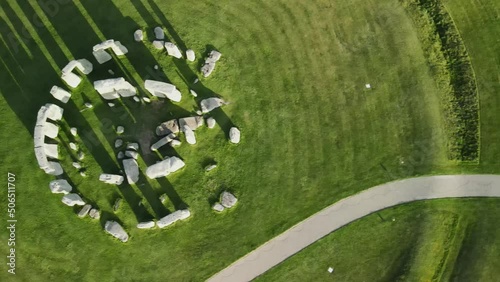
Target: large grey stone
[163,141]
[218,207]
[172,218]
[227,199]
[131,170]
[132,154]
[173,50]
[209,104]
[165,167]
[60,186]
[211,122]
[94,214]
[73,199]
[146,225]
[159,33]
[171,126]
[234,135]
[116,230]
[192,122]
[84,211]
[111,178]
[138,35]
[118,143]
[190,55]
[158,44]
[189,133]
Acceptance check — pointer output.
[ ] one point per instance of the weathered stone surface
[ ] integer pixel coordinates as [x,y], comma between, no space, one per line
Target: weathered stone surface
[88,105]
[218,207]
[132,154]
[83,174]
[138,35]
[207,69]
[165,167]
[120,155]
[101,56]
[146,225]
[227,199]
[118,143]
[158,44]
[116,230]
[60,94]
[84,211]
[190,137]
[213,56]
[73,199]
[209,104]
[163,141]
[171,126]
[173,50]
[159,33]
[192,122]
[193,93]
[73,146]
[211,122]
[190,55]
[131,170]
[113,88]
[175,143]
[146,99]
[77,165]
[74,131]
[120,129]
[210,167]
[163,90]
[234,135]
[133,146]
[137,99]
[81,155]
[54,168]
[60,186]
[94,214]
[111,178]
[111,105]
[173,217]
[71,79]
[51,150]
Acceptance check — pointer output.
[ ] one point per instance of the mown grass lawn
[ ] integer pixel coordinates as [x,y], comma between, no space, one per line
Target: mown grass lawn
[413,248]
[294,74]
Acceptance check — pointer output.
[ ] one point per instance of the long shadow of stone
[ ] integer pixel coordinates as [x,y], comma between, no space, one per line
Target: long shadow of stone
[152,197]
[167,187]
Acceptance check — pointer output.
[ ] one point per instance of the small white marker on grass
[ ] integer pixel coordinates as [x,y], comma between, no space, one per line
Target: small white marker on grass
[330,269]
[368,86]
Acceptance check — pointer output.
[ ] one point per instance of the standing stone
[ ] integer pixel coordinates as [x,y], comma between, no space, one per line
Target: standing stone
[120,155]
[132,154]
[138,35]
[133,146]
[84,211]
[88,105]
[227,199]
[190,137]
[156,67]
[111,105]
[118,143]
[173,50]
[218,207]
[81,155]
[117,204]
[159,33]
[116,230]
[73,146]
[210,122]
[137,99]
[83,174]
[234,135]
[120,129]
[193,93]
[131,170]
[175,143]
[146,99]
[77,165]
[73,131]
[158,44]
[94,214]
[190,55]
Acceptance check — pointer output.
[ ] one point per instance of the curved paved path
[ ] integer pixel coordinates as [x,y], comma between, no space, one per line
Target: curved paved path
[351,208]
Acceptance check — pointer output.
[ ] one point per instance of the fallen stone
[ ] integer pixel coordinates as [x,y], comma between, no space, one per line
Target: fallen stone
[94,214]
[114,88]
[83,174]
[173,50]
[118,143]
[209,104]
[171,126]
[131,170]
[120,155]
[54,168]
[81,155]
[210,122]
[77,165]
[165,167]
[116,230]
[132,154]
[193,93]
[111,178]
[84,211]
[158,44]
[138,35]
[214,56]
[101,56]
[137,99]
[60,186]
[190,137]
[159,33]
[73,146]
[190,55]
[133,146]
[227,199]
[163,90]
[210,167]
[163,141]
[146,99]
[73,199]
[234,135]
[172,218]
[117,204]
[120,129]
[146,225]
[207,69]
[73,131]
[71,79]
[192,122]
[218,207]
[88,105]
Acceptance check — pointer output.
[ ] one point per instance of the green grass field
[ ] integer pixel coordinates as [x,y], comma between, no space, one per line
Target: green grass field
[294,73]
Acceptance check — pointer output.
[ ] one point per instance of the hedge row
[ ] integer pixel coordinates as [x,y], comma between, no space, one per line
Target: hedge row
[450,65]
